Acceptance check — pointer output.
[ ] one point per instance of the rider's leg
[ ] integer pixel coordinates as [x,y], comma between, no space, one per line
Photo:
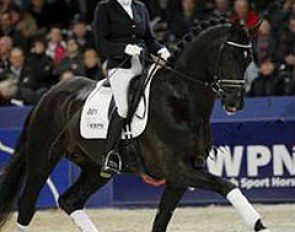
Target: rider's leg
[110,161]
[119,80]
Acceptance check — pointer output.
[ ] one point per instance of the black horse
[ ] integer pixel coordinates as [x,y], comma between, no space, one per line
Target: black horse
[210,61]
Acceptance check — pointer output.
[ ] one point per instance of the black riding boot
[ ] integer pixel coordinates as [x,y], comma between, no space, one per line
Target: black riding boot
[112,161]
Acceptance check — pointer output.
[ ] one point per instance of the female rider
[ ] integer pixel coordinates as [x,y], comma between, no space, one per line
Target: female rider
[122,30]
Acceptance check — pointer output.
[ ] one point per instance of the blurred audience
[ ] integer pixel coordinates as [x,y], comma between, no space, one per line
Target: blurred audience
[72,60]
[222,8]
[268,82]
[264,44]
[19,74]
[244,13]
[5,49]
[40,67]
[92,65]
[183,20]
[286,49]
[56,45]
[23,22]
[39,9]
[82,35]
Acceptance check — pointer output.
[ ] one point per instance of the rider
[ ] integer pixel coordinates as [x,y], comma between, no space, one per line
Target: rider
[122,30]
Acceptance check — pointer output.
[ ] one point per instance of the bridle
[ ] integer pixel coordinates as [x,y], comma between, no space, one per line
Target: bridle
[218,85]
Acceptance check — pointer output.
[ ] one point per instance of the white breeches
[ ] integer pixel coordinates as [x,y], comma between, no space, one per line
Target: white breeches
[119,80]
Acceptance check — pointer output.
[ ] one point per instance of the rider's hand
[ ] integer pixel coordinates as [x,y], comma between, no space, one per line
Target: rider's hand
[133,50]
[164,53]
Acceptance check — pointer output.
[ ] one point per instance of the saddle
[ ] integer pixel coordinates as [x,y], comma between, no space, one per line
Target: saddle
[100,106]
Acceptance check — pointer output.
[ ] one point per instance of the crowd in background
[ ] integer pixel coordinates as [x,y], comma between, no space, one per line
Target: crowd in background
[45,42]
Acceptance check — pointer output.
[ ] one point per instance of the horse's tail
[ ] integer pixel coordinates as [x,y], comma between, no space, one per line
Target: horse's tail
[12,177]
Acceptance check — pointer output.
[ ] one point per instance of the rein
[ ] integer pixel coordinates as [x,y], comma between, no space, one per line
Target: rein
[218,85]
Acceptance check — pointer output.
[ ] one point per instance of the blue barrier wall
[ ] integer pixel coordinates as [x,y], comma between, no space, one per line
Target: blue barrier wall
[257,152]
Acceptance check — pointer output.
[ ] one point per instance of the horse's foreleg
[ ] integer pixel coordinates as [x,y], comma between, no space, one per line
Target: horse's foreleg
[204,180]
[169,202]
[74,199]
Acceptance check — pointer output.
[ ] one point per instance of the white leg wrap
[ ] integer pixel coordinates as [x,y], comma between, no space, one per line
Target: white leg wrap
[20,228]
[82,220]
[245,209]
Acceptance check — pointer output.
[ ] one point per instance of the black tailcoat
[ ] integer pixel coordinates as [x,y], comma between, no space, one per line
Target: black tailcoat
[114,29]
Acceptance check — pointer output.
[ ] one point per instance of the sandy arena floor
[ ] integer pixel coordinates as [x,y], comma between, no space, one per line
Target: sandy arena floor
[280,218]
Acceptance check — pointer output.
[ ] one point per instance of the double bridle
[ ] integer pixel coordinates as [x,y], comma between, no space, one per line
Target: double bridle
[218,85]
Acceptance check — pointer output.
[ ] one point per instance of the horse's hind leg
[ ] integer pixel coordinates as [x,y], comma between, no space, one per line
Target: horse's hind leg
[204,180]
[74,199]
[169,202]
[38,172]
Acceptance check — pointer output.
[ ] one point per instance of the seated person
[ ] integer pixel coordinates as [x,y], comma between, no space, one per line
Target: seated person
[268,82]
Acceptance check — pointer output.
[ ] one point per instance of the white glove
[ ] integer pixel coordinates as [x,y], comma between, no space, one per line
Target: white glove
[164,53]
[133,50]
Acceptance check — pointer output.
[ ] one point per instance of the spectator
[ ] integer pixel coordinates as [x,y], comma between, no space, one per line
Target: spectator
[5,49]
[40,67]
[20,75]
[222,8]
[278,14]
[84,38]
[40,10]
[56,45]
[286,50]
[6,23]
[183,21]
[6,5]
[161,9]
[264,44]
[243,13]
[92,65]
[72,60]
[161,19]
[23,22]
[269,82]
[7,29]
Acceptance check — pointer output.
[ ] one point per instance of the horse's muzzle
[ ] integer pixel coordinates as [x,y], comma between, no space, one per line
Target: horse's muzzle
[232,95]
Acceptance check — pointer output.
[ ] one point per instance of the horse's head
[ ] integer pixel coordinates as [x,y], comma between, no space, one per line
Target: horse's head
[234,57]
[216,54]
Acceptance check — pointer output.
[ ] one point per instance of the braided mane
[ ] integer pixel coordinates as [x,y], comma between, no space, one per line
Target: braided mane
[195,32]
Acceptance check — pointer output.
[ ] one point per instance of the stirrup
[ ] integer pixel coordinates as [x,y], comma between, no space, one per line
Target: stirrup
[111,167]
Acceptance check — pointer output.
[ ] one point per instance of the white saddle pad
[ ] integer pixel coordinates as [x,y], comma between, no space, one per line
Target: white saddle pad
[94,119]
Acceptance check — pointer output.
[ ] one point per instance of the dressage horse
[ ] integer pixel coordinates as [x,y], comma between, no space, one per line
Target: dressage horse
[209,61]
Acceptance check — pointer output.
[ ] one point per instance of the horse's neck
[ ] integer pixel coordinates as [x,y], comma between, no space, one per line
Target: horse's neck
[185,100]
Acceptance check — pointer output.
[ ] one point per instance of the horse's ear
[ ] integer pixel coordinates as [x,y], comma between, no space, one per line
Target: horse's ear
[254,30]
